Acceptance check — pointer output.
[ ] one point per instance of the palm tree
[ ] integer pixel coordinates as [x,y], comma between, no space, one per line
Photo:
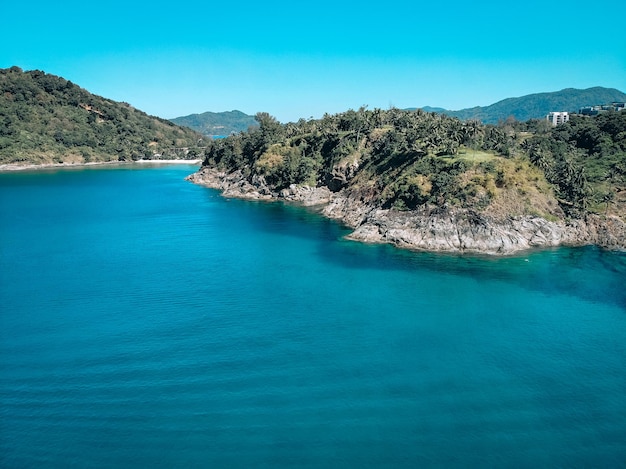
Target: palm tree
[455,131]
[608,199]
[473,130]
[542,159]
[572,182]
[582,188]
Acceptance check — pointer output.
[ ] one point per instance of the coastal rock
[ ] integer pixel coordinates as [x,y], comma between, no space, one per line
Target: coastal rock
[233,184]
[306,195]
[237,186]
[429,228]
[342,174]
[465,230]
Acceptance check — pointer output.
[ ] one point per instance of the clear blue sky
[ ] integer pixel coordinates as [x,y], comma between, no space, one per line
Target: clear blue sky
[302,59]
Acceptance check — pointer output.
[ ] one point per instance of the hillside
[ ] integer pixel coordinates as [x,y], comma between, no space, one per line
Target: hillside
[217,124]
[47,119]
[431,181]
[537,106]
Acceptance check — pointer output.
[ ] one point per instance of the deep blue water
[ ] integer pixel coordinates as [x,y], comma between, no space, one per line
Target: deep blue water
[149,322]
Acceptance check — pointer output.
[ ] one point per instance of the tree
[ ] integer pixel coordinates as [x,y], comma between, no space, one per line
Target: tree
[271,130]
[608,199]
[473,131]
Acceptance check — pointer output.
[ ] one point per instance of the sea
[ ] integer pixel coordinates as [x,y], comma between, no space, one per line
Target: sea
[149,322]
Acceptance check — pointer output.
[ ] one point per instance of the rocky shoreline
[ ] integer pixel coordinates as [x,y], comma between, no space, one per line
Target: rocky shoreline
[430,228]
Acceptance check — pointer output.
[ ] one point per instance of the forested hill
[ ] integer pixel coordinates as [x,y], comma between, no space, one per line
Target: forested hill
[537,106]
[47,119]
[409,159]
[217,124]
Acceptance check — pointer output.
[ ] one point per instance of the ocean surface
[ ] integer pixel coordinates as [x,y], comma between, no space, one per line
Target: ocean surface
[149,322]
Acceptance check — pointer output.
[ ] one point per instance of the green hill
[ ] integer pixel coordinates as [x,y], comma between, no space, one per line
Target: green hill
[47,119]
[537,106]
[409,159]
[217,124]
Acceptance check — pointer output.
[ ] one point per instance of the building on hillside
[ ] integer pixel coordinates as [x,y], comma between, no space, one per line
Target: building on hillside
[595,110]
[589,110]
[556,118]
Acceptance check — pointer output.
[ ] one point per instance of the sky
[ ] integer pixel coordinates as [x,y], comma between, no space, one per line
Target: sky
[301,59]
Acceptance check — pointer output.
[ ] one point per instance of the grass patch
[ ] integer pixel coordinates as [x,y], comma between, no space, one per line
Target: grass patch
[471,156]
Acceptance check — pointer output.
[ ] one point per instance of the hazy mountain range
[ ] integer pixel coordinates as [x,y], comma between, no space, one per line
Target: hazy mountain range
[532,106]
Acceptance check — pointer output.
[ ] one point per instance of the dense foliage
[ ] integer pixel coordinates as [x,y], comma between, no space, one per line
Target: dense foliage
[404,159]
[217,124]
[47,119]
[585,159]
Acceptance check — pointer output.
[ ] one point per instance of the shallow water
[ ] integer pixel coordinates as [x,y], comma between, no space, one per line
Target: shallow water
[146,321]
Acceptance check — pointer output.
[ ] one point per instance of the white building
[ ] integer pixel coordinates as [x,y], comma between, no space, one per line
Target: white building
[556,118]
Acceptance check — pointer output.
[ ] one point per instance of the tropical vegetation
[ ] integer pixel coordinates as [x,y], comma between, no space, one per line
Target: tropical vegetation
[404,159]
[47,119]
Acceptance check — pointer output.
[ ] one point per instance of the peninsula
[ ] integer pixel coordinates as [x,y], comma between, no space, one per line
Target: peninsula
[432,182]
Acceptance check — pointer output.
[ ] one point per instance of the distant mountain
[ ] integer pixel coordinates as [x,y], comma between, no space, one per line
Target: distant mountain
[536,106]
[431,109]
[48,119]
[216,124]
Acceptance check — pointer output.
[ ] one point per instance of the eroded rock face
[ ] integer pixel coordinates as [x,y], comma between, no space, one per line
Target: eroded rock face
[465,230]
[233,184]
[237,186]
[342,174]
[428,228]
[308,196]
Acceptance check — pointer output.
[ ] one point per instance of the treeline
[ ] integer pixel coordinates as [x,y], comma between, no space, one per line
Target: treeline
[403,159]
[45,118]
[584,158]
[310,151]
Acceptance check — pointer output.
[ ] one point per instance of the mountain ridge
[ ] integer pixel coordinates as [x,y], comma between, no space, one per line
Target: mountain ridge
[46,119]
[535,105]
[217,124]
[522,108]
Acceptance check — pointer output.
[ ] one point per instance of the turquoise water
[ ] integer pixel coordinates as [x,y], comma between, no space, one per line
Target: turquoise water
[149,322]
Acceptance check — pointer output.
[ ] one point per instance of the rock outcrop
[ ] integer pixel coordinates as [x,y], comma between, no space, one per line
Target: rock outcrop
[237,186]
[465,230]
[430,228]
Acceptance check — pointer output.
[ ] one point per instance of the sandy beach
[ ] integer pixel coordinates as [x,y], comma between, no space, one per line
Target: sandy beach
[169,161]
[23,167]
